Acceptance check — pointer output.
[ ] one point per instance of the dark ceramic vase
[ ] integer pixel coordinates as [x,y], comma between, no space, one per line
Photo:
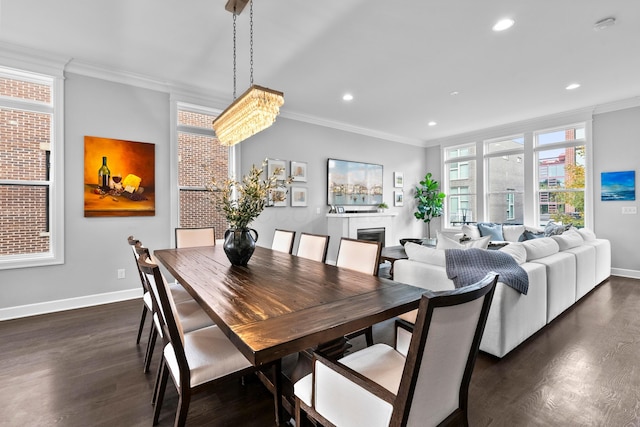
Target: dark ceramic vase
[239,245]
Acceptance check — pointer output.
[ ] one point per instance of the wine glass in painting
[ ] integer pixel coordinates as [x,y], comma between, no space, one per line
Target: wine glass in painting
[117,179]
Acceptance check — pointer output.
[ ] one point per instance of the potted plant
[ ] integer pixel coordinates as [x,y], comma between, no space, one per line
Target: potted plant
[430,201]
[241,203]
[382,206]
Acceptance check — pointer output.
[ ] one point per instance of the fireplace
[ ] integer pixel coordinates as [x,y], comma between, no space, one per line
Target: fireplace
[373,234]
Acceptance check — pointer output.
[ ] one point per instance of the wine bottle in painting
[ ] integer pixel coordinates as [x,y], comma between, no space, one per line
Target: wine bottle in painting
[103,175]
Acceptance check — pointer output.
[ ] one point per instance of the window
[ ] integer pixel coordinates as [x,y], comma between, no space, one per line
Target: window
[560,158]
[460,184]
[505,179]
[532,177]
[201,159]
[31,221]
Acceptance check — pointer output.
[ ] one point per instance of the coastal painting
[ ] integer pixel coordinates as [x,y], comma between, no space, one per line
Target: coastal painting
[618,186]
[353,183]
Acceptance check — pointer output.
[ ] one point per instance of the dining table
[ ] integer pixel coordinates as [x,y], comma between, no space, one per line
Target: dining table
[280,304]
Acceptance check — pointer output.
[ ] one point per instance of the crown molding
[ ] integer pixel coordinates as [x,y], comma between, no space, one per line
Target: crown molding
[34,60]
[622,104]
[350,128]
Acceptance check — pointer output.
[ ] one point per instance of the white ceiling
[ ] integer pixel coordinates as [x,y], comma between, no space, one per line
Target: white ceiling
[400,59]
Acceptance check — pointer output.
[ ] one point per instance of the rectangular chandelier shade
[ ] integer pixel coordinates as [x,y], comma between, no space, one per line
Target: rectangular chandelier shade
[254,111]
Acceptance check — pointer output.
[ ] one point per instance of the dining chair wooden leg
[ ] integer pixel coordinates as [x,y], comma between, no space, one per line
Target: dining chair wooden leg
[156,384]
[150,347]
[143,317]
[183,408]
[161,387]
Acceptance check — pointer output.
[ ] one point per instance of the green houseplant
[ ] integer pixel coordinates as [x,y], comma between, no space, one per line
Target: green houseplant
[430,201]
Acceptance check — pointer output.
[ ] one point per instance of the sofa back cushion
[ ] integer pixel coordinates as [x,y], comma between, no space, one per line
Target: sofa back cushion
[587,234]
[425,254]
[517,251]
[568,239]
[513,233]
[540,248]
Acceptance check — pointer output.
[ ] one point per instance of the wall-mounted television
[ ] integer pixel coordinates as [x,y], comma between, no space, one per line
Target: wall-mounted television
[353,183]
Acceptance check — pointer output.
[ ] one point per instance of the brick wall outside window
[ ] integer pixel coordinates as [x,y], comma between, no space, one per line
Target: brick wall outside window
[201,159]
[23,216]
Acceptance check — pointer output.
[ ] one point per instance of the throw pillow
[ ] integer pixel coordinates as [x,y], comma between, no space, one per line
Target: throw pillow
[553,229]
[482,243]
[529,235]
[471,231]
[491,229]
[446,243]
[513,233]
[424,254]
[517,251]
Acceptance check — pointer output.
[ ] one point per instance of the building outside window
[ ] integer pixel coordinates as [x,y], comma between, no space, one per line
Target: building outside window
[31,220]
[201,159]
[505,179]
[460,184]
[561,163]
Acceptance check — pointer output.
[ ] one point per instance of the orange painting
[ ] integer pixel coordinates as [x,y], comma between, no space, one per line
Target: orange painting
[119,177]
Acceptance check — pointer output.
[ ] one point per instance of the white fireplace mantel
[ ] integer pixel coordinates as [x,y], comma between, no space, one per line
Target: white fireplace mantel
[348,224]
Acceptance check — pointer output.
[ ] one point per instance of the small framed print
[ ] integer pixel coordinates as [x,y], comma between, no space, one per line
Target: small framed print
[298,196]
[299,171]
[278,197]
[280,166]
[398,198]
[398,179]
[340,209]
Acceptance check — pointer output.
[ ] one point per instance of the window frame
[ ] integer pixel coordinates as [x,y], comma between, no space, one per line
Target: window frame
[51,75]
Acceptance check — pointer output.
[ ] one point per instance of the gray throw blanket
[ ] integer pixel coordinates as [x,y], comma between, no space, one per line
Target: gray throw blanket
[468,266]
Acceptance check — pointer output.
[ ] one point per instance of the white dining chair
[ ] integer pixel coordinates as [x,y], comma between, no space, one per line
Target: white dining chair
[313,246]
[362,256]
[381,386]
[283,241]
[196,360]
[195,237]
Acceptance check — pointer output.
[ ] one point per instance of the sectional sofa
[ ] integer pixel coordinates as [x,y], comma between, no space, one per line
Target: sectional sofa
[561,268]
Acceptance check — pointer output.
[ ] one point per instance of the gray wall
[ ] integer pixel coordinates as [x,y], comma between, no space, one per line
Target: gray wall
[96,247]
[616,148]
[293,140]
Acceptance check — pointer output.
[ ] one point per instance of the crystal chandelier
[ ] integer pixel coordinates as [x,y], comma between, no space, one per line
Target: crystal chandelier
[254,111]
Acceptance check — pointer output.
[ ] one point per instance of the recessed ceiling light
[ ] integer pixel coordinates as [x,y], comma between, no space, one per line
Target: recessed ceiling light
[454,93]
[432,123]
[503,24]
[573,86]
[605,23]
[347,97]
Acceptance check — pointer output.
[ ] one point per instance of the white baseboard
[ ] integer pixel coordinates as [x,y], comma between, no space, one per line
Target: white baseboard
[633,274]
[68,304]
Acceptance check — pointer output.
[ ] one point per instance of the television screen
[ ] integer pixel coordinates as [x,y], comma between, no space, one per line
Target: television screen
[353,183]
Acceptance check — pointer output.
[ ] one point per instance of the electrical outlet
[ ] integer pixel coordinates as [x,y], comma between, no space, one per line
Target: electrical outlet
[121,273]
[629,210]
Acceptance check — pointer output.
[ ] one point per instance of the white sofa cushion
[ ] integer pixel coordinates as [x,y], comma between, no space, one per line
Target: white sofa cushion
[585,268]
[561,280]
[587,234]
[446,243]
[512,233]
[540,248]
[424,254]
[517,251]
[471,231]
[569,239]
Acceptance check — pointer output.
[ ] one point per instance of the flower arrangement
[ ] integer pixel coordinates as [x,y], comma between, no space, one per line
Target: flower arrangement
[242,202]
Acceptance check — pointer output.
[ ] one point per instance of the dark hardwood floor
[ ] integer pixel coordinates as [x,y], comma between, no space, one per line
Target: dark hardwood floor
[83,368]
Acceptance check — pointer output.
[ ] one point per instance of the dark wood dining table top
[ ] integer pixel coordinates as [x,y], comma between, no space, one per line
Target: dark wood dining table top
[280,304]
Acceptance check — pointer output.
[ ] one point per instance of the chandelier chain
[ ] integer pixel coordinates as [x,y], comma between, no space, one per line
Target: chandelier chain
[251,41]
[234,52]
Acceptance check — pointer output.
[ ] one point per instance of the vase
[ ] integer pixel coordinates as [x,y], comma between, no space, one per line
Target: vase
[239,244]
